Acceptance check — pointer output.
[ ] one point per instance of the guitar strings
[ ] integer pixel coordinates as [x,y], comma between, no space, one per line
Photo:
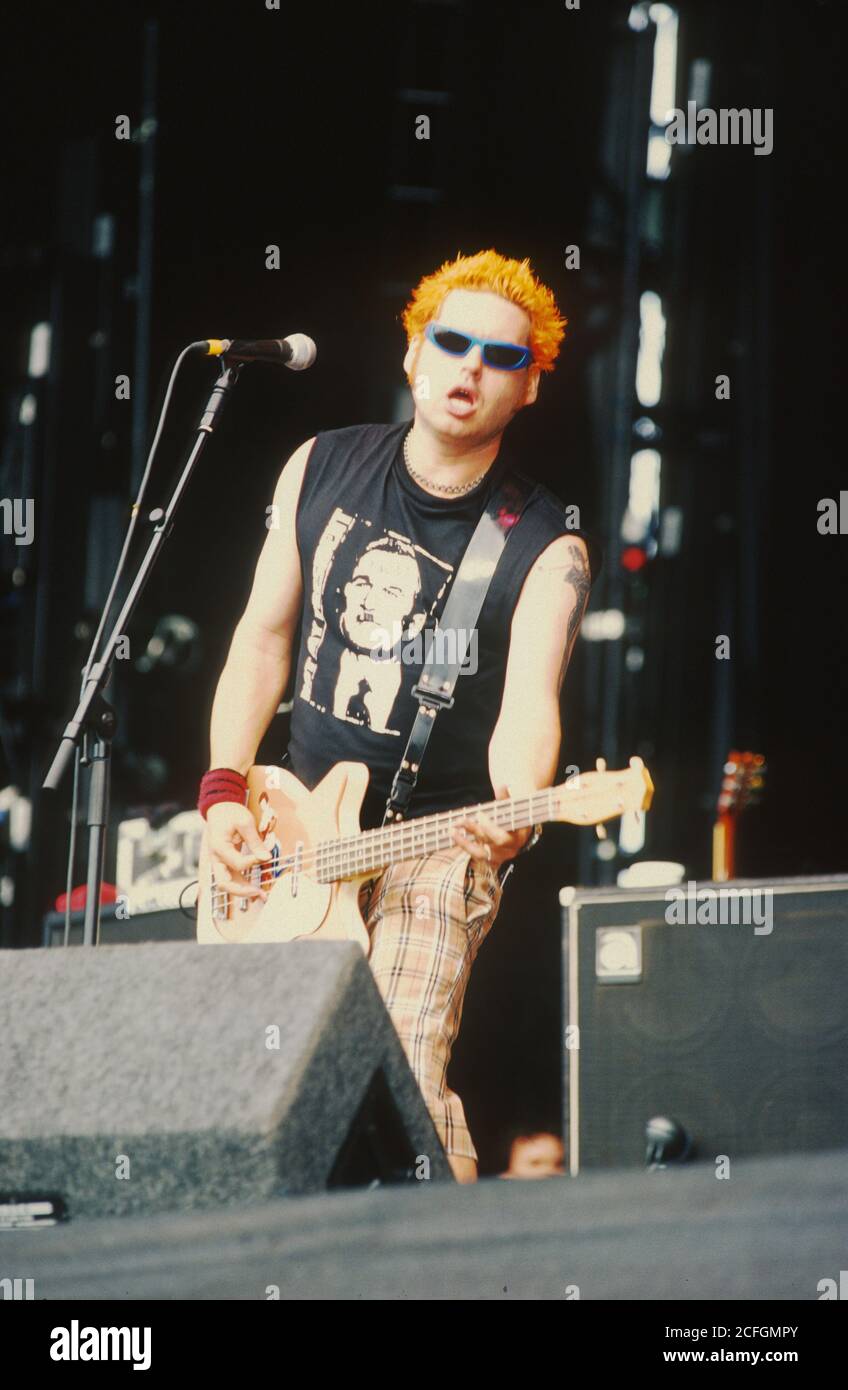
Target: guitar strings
[328,853]
[332,850]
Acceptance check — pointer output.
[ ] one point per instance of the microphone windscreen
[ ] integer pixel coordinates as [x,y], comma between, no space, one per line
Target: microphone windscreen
[304,352]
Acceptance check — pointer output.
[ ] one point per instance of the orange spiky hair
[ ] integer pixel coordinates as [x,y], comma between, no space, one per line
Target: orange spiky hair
[512,280]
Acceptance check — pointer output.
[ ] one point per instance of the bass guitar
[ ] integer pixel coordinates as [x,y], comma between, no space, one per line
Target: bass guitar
[320,857]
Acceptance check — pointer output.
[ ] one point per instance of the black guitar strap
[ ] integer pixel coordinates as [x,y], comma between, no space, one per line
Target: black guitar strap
[434,690]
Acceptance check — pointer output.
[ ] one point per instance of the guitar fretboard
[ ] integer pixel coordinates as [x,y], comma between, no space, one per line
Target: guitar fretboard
[374,849]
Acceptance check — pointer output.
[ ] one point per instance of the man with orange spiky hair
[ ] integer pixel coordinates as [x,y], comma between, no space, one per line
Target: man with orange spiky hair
[374,520]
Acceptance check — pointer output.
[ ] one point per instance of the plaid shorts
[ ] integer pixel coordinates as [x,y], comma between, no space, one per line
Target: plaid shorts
[427,919]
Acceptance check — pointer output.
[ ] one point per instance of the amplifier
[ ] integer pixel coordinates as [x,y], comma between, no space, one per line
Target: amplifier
[722,1007]
[167,925]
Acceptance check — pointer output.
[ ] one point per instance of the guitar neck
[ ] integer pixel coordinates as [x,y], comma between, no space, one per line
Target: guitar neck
[374,850]
[724,848]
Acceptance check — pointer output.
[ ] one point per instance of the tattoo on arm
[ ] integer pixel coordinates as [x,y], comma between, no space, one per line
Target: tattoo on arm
[576,573]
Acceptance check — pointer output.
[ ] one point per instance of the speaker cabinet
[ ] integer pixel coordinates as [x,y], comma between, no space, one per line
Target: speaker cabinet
[167,1076]
[170,924]
[730,1019]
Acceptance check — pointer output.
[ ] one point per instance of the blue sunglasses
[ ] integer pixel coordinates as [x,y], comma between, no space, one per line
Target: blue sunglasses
[506,357]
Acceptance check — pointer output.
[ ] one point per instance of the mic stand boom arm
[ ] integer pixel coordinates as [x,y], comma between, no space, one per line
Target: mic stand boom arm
[94,718]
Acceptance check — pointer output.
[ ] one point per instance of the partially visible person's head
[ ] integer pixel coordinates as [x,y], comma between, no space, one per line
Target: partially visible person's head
[539,1155]
[484,296]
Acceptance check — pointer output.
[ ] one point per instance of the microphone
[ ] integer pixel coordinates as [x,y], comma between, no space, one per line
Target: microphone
[667,1140]
[297,352]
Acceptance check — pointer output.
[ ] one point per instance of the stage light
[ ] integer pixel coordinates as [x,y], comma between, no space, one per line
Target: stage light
[664,79]
[663,89]
[634,659]
[643,502]
[604,625]
[671,530]
[39,350]
[651,349]
[659,156]
[103,237]
[633,559]
[700,77]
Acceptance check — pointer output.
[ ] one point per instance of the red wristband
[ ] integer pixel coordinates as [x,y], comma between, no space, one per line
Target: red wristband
[221,784]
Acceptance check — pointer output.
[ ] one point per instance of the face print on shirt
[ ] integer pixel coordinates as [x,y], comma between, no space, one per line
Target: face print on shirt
[371,593]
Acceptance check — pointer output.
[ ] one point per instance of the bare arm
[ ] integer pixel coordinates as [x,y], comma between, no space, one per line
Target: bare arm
[259,660]
[253,679]
[525,744]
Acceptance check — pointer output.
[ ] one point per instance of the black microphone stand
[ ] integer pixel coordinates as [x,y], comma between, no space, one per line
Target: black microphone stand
[94,721]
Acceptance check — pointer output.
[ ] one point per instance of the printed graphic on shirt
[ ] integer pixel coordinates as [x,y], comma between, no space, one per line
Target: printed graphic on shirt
[372,593]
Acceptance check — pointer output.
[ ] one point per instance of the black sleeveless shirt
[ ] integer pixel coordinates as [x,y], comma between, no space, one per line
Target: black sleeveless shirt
[378,554]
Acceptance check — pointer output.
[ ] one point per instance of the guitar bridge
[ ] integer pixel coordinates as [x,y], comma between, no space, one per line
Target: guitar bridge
[220,903]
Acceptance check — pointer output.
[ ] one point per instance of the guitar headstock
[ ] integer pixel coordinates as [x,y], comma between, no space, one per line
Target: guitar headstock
[742,780]
[588,798]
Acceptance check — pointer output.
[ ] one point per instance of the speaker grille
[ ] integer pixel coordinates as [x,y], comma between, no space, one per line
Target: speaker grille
[741,1037]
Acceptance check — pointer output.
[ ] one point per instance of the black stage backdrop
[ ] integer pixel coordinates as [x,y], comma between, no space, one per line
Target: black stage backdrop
[292,127]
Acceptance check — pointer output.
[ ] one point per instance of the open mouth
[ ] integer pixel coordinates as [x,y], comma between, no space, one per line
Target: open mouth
[461,400]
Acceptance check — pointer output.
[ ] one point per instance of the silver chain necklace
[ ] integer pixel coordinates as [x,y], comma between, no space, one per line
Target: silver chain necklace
[442,487]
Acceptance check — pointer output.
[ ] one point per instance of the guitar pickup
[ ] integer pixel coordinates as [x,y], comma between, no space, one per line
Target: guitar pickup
[296,867]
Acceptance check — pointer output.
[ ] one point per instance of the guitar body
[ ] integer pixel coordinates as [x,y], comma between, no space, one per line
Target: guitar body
[296,821]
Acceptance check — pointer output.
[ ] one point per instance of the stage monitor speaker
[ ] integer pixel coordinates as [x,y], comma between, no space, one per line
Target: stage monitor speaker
[720,1007]
[173,1076]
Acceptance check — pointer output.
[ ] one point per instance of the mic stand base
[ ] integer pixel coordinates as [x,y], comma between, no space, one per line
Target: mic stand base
[100,726]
